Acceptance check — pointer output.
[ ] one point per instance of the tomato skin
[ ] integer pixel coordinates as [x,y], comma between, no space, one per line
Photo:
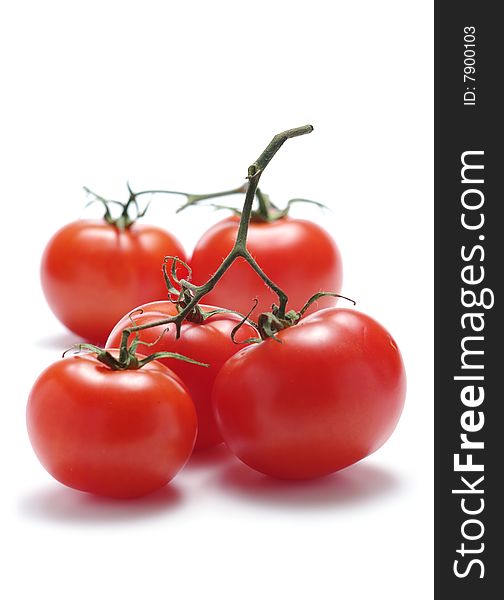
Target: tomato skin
[208,342]
[92,273]
[297,255]
[121,434]
[328,396]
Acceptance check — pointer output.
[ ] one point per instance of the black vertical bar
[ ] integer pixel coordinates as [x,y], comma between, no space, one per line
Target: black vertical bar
[469,268]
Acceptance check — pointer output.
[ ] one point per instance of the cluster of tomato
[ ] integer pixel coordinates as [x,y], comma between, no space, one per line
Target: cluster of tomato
[321,391]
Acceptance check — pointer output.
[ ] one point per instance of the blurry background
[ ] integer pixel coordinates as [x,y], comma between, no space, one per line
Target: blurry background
[185,96]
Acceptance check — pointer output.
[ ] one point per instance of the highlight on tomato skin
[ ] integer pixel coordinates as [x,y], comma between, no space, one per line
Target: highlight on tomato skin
[92,273]
[121,434]
[208,342]
[298,255]
[326,397]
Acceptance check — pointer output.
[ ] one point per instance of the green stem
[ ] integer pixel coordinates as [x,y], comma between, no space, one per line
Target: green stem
[264,203]
[195,198]
[282,296]
[239,249]
[125,220]
[274,146]
[239,190]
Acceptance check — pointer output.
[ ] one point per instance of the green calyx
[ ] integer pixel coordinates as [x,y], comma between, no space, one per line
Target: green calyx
[128,359]
[126,217]
[267,212]
[270,323]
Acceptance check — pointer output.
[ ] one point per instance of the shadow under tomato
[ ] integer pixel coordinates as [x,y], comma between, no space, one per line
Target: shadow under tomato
[58,503]
[217,456]
[354,485]
[59,341]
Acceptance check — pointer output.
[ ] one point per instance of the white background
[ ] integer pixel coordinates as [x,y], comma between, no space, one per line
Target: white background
[186,96]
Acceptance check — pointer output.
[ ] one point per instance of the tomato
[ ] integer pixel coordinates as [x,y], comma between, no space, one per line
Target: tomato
[93,272]
[297,255]
[114,433]
[326,397]
[208,342]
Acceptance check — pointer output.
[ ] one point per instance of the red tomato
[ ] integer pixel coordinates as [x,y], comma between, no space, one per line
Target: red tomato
[326,397]
[93,273]
[208,342]
[297,255]
[114,433]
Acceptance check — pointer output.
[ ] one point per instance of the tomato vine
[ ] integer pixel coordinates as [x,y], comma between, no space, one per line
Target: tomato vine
[190,294]
[194,293]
